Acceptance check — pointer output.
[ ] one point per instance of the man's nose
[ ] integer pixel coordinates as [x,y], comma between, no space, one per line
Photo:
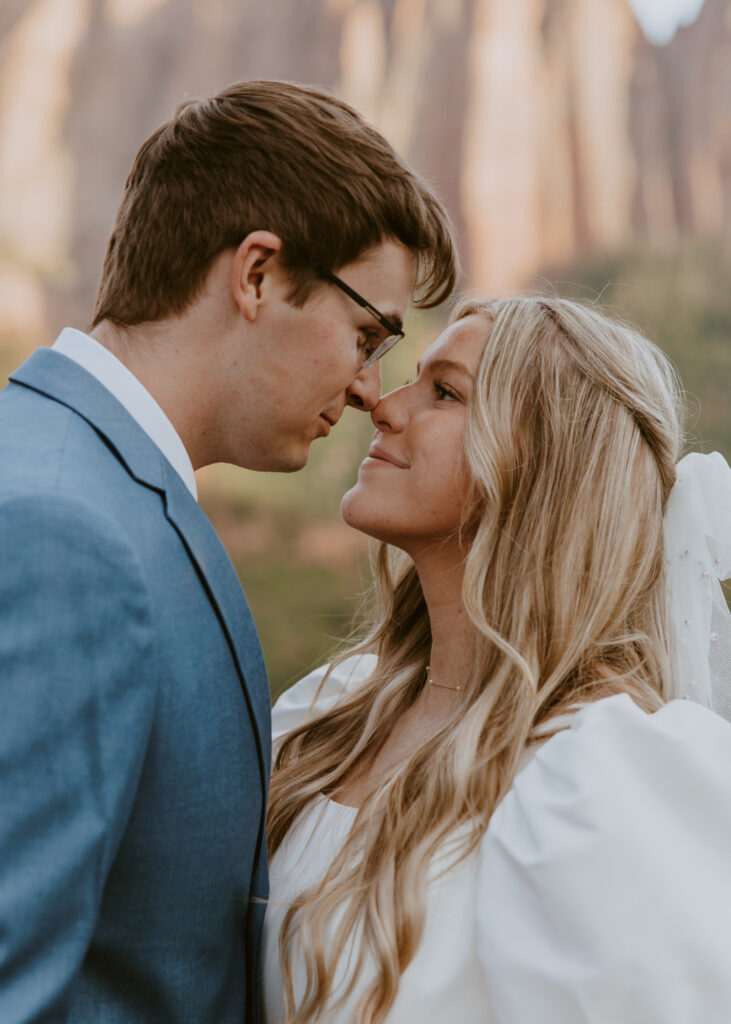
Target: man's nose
[365,390]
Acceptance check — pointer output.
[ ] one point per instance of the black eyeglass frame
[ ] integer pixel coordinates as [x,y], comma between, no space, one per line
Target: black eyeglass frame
[396,332]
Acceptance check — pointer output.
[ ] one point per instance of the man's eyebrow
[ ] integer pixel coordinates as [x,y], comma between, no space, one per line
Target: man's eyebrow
[446,364]
[396,319]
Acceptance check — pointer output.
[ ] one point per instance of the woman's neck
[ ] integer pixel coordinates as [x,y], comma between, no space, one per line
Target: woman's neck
[453,635]
[450,665]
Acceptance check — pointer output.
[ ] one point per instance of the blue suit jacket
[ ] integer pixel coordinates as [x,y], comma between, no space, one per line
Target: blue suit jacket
[134,726]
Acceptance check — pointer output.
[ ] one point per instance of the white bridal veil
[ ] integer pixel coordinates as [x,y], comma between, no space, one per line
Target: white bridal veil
[698,555]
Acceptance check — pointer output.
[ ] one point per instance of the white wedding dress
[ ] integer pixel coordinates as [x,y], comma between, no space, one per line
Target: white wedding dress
[600,894]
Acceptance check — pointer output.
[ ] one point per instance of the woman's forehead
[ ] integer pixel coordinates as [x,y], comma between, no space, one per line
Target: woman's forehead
[462,342]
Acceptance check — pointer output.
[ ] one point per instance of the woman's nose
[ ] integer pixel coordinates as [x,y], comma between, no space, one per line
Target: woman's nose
[391,411]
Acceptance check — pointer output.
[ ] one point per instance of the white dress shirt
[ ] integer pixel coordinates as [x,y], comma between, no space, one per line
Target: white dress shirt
[136,399]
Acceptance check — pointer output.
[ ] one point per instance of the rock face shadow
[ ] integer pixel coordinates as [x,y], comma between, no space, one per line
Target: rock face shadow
[551,128]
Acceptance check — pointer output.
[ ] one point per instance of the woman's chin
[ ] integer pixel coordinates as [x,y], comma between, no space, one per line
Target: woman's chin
[352,510]
[356,512]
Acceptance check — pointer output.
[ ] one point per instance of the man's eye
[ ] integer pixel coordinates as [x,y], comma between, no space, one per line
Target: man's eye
[368,342]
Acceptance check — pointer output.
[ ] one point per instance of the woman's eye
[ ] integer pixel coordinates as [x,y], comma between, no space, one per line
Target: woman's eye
[444,392]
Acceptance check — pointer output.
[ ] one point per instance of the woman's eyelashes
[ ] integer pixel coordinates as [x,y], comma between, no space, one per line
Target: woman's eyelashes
[443,392]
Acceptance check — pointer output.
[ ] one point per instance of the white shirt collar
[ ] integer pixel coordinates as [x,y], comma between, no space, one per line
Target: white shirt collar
[136,399]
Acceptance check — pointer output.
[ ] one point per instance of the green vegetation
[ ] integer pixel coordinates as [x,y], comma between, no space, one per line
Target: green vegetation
[681,299]
[301,610]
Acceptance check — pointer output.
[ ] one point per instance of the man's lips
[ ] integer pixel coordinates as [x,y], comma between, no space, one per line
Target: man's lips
[327,422]
[378,454]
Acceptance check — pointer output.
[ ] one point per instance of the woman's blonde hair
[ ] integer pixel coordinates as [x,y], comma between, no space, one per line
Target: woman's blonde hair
[572,437]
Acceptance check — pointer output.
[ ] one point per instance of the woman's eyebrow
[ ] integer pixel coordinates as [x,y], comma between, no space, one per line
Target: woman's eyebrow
[446,364]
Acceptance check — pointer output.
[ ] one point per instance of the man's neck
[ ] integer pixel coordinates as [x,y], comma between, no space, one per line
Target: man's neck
[161,358]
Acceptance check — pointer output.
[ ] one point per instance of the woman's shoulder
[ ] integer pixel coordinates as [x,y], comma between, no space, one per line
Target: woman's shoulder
[319,691]
[612,848]
[617,766]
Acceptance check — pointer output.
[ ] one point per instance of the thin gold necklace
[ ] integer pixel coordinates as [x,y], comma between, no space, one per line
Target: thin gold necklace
[444,686]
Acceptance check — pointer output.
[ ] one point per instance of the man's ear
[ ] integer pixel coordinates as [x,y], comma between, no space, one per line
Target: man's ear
[253,259]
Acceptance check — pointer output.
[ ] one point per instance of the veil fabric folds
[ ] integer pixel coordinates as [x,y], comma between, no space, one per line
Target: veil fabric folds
[698,555]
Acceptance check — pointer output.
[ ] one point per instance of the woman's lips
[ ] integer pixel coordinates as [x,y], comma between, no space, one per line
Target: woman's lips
[378,455]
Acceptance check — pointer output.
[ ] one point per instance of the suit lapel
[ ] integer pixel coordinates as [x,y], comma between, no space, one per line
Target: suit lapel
[63,380]
[228,598]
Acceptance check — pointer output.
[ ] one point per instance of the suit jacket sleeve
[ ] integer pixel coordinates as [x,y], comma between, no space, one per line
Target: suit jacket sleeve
[77,696]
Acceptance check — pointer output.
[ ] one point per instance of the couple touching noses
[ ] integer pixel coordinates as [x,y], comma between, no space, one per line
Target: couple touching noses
[469,815]
[261,262]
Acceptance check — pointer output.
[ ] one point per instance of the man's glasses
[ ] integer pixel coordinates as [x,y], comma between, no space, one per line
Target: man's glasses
[395,330]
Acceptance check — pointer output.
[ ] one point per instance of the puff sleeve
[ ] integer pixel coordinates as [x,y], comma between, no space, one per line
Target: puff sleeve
[306,697]
[604,884]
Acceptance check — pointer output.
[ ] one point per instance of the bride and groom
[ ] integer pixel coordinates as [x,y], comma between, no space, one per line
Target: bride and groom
[487,810]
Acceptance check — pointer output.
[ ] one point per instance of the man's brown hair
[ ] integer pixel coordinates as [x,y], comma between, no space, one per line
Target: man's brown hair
[265,156]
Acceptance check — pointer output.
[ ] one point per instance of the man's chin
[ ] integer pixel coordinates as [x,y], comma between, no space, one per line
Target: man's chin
[280,460]
[291,461]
